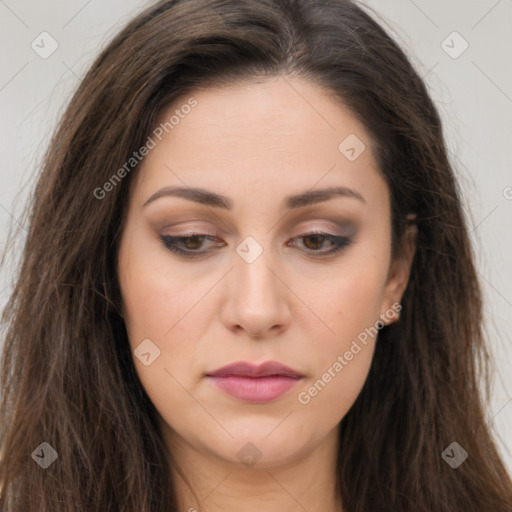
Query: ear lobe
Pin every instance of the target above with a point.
(400, 269)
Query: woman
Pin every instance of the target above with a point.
(248, 282)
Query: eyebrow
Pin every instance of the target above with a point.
(208, 198)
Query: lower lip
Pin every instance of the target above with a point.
(255, 389)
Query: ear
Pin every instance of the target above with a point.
(399, 272)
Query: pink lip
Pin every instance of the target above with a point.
(255, 384)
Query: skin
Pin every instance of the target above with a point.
(256, 143)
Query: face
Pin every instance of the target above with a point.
(258, 274)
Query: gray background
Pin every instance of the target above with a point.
(473, 92)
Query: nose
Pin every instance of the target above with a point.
(258, 298)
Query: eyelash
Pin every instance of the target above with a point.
(340, 243)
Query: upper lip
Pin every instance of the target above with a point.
(245, 369)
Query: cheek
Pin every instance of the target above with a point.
(342, 360)
(350, 299)
(154, 299)
(163, 306)
(350, 306)
(160, 309)
(331, 393)
(361, 284)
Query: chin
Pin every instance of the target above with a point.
(259, 446)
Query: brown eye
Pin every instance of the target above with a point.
(190, 245)
(193, 242)
(316, 239)
(187, 245)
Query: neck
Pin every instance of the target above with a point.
(306, 482)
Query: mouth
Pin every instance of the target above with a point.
(255, 383)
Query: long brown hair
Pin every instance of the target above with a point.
(68, 378)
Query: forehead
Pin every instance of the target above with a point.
(271, 137)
